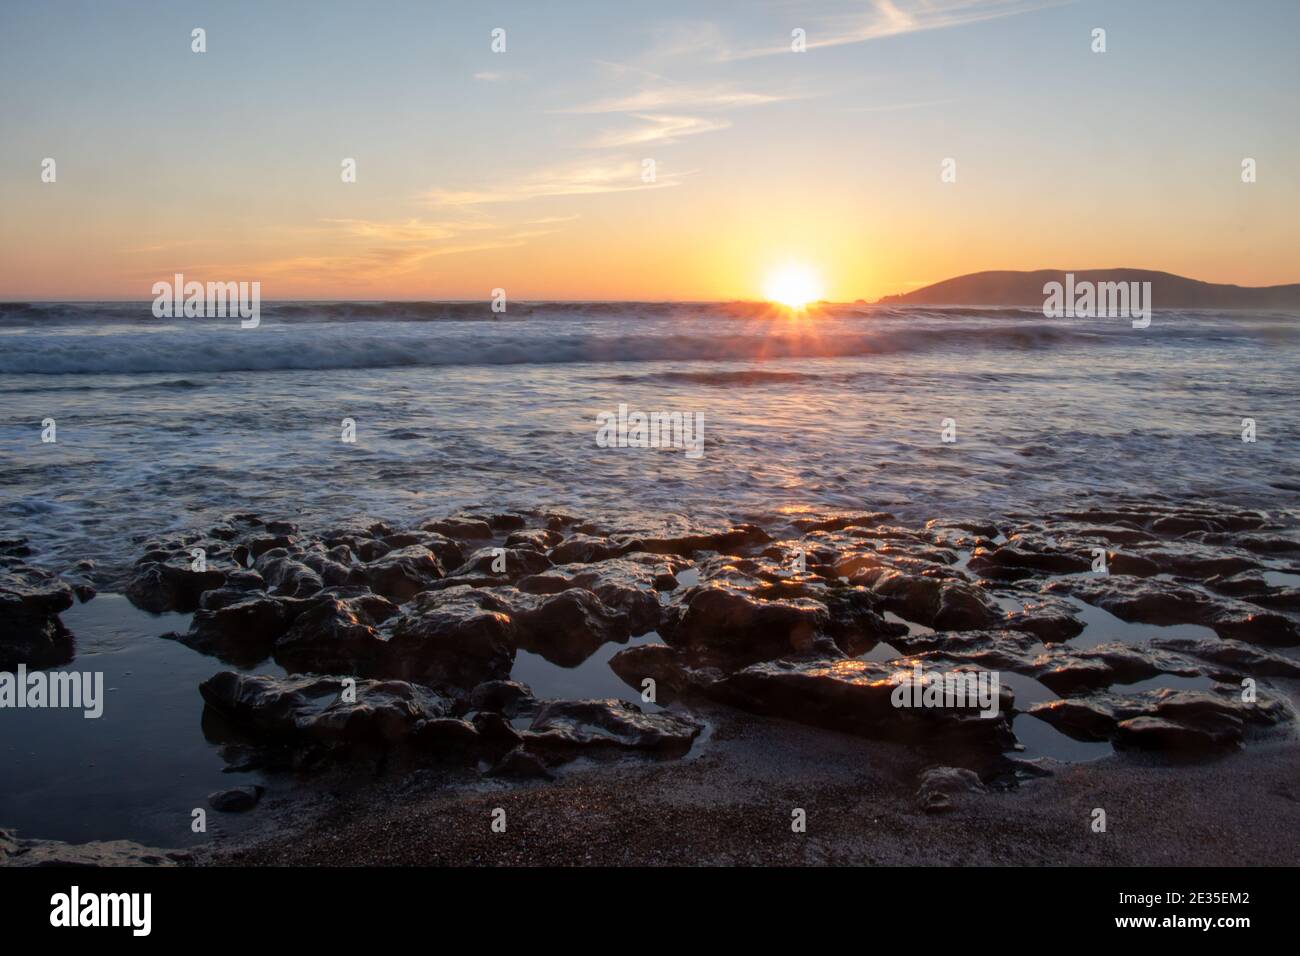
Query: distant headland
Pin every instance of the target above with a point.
(1168, 291)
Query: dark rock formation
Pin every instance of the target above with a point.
(100, 853)
(570, 727)
(1163, 719)
(237, 800)
(30, 630)
(939, 789)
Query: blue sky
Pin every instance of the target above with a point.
(522, 169)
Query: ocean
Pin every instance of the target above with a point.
(166, 425)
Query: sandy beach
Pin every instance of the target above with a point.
(731, 806)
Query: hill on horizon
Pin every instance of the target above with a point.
(1168, 291)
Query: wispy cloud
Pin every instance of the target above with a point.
(887, 18)
(657, 128)
(667, 97)
(383, 261)
(412, 230)
(579, 179)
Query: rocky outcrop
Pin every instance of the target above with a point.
(941, 789)
(459, 637)
(852, 696)
(566, 628)
(773, 619)
(720, 621)
(1162, 719)
(31, 632)
(171, 584)
(326, 712)
(1162, 602)
(15, 851)
(400, 574)
(572, 727)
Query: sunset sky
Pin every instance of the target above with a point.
(522, 169)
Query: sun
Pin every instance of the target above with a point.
(793, 286)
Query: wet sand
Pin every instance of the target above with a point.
(731, 805)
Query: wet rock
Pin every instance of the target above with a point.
(31, 632)
(507, 697)
(592, 726)
(568, 627)
(1195, 561)
(336, 633)
(239, 627)
(537, 539)
(866, 519)
(260, 545)
(1021, 556)
(1110, 534)
(458, 637)
(1244, 585)
(1157, 601)
(370, 549)
(1243, 623)
(1125, 562)
(461, 529)
(1051, 620)
(999, 649)
(1266, 544)
(672, 677)
(940, 788)
(629, 584)
(1141, 600)
(171, 585)
(450, 553)
(284, 575)
(1237, 657)
(14, 547)
(99, 853)
(558, 520)
(943, 604)
(513, 562)
(687, 545)
(238, 800)
(1186, 719)
(971, 526)
(243, 579)
(584, 549)
(496, 734)
(331, 571)
(312, 711)
(857, 697)
(1179, 524)
(725, 621)
(1158, 733)
(401, 574)
(1066, 670)
(506, 521)
(857, 623)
